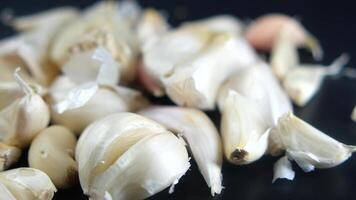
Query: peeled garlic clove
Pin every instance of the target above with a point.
(150, 84)
(200, 134)
(8, 155)
(302, 82)
(283, 169)
(127, 156)
(308, 146)
(263, 33)
(244, 129)
(353, 115)
(52, 151)
(24, 118)
(195, 83)
(219, 23)
(284, 54)
(27, 183)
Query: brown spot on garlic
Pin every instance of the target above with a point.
(238, 155)
(8, 155)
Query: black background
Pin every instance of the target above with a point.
(334, 23)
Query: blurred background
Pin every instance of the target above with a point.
(334, 24)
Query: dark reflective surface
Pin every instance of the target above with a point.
(334, 25)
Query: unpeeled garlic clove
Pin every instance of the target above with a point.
(127, 156)
(263, 33)
(201, 135)
(195, 82)
(8, 155)
(24, 118)
(52, 151)
(26, 183)
(302, 82)
(308, 146)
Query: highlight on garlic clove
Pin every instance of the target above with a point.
(195, 82)
(21, 121)
(128, 156)
(264, 31)
(52, 151)
(26, 183)
(353, 115)
(309, 147)
(244, 129)
(302, 82)
(9, 155)
(99, 26)
(201, 135)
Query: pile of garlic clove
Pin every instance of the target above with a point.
(89, 76)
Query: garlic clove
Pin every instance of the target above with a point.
(244, 129)
(52, 151)
(8, 155)
(263, 33)
(308, 146)
(125, 144)
(5, 193)
(27, 183)
(353, 115)
(24, 118)
(283, 169)
(201, 135)
(302, 82)
(195, 83)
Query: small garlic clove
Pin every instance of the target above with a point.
(24, 118)
(302, 82)
(52, 151)
(353, 115)
(308, 146)
(115, 149)
(244, 129)
(195, 83)
(9, 155)
(263, 33)
(201, 135)
(27, 183)
(283, 169)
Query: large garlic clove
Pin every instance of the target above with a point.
(308, 146)
(353, 115)
(201, 135)
(24, 118)
(302, 82)
(127, 156)
(26, 183)
(244, 129)
(8, 155)
(195, 82)
(52, 151)
(264, 31)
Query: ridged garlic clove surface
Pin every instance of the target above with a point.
(201, 135)
(9, 155)
(52, 151)
(127, 156)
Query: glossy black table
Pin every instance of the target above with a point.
(329, 110)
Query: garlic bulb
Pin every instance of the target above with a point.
(308, 146)
(76, 106)
(263, 33)
(24, 118)
(8, 155)
(302, 82)
(201, 135)
(127, 156)
(353, 115)
(52, 151)
(26, 183)
(99, 26)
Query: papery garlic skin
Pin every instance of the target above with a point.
(127, 156)
(302, 82)
(201, 135)
(283, 169)
(52, 151)
(8, 155)
(26, 183)
(308, 146)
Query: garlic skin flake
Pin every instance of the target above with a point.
(24, 118)
(9, 155)
(353, 115)
(26, 183)
(127, 156)
(201, 135)
(308, 146)
(283, 169)
(302, 82)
